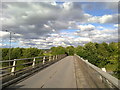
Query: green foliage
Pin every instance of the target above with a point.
(97, 54)
(5, 53)
(16, 53)
(90, 53)
(58, 50)
(30, 52)
(70, 50)
(101, 55)
(80, 51)
(117, 71)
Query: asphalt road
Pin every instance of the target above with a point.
(59, 75)
(66, 73)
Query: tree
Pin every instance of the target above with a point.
(117, 71)
(5, 55)
(58, 50)
(90, 53)
(16, 53)
(103, 54)
(79, 50)
(30, 52)
(70, 50)
(40, 52)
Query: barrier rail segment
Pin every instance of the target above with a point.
(20, 68)
(106, 78)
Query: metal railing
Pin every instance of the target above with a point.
(20, 68)
(105, 78)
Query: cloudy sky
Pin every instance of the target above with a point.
(47, 24)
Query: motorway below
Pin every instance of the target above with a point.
(66, 73)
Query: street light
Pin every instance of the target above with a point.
(10, 43)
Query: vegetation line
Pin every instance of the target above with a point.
(101, 55)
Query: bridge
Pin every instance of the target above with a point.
(59, 71)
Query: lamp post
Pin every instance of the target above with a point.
(10, 43)
(10, 48)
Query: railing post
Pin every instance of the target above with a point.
(44, 60)
(56, 57)
(60, 56)
(33, 63)
(53, 57)
(49, 58)
(13, 68)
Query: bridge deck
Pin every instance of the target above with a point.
(66, 73)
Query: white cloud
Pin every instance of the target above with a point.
(31, 26)
(112, 6)
(81, 39)
(53, 3)
(97, 34)
(109, 19)
(46, 26)
(86, 27)
(3, 34)
(100, 27)
(38, 24)
(116, 25)
(104, 19)
(67, 5)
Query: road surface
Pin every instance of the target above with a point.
(66, 73)
(59, 75)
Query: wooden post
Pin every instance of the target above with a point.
(56, 57)
(33, 63)
(53, 57)
(44, 60)
(60, 56)
(13, 68)
(49, 58)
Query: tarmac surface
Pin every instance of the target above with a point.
(66, 73)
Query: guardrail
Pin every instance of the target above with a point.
(20, 68)
(105, 78)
